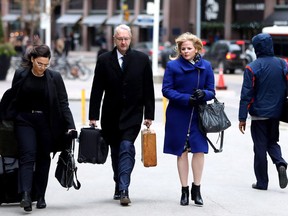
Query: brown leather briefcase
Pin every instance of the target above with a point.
(148, 146)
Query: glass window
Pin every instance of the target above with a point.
(14, 5)
(75, 4)
(282, 2)
(99, 5)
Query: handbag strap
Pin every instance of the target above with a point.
(76, 184)
(192, 112)
(221, 134)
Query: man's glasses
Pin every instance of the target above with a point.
(123, 39)
(40, 65)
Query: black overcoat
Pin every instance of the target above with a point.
(60, 116)
(128, 95)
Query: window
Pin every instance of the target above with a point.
(99, 5)
(14, 5)
(75, 4)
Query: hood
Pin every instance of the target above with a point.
(263, 45)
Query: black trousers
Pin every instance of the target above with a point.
(34, 144)
(265, 135)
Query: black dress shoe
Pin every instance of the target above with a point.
(41, 203)
(26, 202)
(117, 195)
(282, 176)
(124, 198)
(255, 186)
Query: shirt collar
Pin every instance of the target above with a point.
(119, 55)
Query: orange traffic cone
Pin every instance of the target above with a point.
(221, 85)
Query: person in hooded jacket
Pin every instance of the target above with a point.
(262, 96)
(188, 80)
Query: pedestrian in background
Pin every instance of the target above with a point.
(126, 78)
(188, 81)
(38, 104)
(103, 49)
(262, 96)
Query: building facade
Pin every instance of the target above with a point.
(91, 22)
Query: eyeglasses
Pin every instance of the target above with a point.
(123, 39)
(40, 65)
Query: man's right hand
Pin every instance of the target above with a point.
(93, 123)
(242, 126)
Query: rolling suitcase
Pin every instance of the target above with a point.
(9, 181)
(148, 147)
(92, 147)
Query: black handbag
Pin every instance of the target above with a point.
(212, 117)
(8, 142)
(66, 168)
(92, 146)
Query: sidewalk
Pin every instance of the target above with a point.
(155, 191)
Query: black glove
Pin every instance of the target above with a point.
(199, 94)
(192, 101)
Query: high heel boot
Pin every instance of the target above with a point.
(26, 202)
(196, 195)
(185, 196)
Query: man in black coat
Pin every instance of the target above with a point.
(126, 77)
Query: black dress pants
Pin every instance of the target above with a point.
(265, 135)
(34, 144)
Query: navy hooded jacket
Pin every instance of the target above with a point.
(264, 84)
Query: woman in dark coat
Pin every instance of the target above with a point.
(188, 81)
(38, 104)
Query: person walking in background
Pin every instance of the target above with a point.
(38, 104)
(126, 77)
(103, 49)
(188, 80)
(262, 96)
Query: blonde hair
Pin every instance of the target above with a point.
(187, 36)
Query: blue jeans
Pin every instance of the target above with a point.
(123, 161)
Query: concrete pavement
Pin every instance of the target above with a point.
(226, 185)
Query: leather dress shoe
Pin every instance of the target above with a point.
(282, 176)
(41, 203)
(26, 202)
(124, 198)
(117, 195)
(255, 186)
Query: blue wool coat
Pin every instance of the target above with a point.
(179, 83)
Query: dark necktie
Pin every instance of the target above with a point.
(122, 64)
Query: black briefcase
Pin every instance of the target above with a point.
(92, 147)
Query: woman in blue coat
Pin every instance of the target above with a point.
(188, 80)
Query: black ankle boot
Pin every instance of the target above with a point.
(185, 196)
(41, 202)
(196, 195)
(26, 202)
